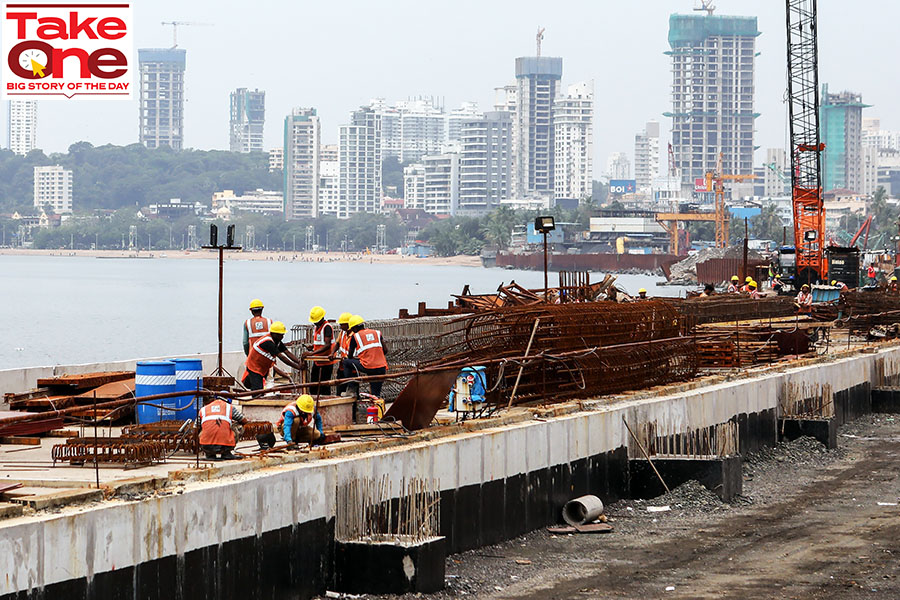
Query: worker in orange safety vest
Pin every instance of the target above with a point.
(263, 354)
(217, 418)
(804, 299)
(256, 326)
(322, 353)
(366, 355)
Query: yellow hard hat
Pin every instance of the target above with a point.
(735, 278)
(306, 403)
(805, 286)
(834, 282)
(893, 278)
(277, 327)
(748, 279)
(316, 314)
(354, 321)
(256, 303)
(752, 284)
(642, 291)
(344, 318)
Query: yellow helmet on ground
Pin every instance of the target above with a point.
(354, 321)
(256, 303)
(344, 318)
(735, 278)
(642, 291)
(278, 327)
(306, 403)
(316, 314)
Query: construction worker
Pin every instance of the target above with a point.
(216, 434)
(322, 354)
(839, 284)
(340, 351)
(746, 286)
(365, 356)
(753, 293)
(892, 285)
(642, 294)
(777, 284)
(256, 326)
(804, 299)
(872, 274)
(708, 290)
(263, 354)
(300, 422)
(733, 286)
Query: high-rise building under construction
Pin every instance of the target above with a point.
(713, 59)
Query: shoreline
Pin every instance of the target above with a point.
(310, 257)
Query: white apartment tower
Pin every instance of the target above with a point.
(162, 97)
(573, 138)
(466, 112)
(21, 126)
(441, 183)
(617, 166)
(414, 186)
(713, 61)
(646, 156)
(537, 81)
(53, 188)
(302, 136)
(485, 169)
(776, 177)
(248, 119)
(359, 179)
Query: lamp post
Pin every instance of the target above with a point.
(545, 225)
(229, 245)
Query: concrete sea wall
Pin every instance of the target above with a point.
(270, 533)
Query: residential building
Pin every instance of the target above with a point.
(248, 118)
(455, 119)
(713, 62)
(485, 163)
(840, 121)
(414, 187)
(537, 81)
(573, 138)
(776, 177)
(871, 158)
(53, 188)
(441, 183)
(875, 137)
(260, 202)
(162, 97)
(302, 137)
(646, 156)
(505, 98)
(391, 134)
(359, 178)
(617, 166)
(329, 189)
(329, 152)
(21, 126)
(276, 159)
(410, 129)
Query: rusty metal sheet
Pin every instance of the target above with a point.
(420, 400)
(83, 381)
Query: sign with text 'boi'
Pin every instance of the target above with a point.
(57, 50)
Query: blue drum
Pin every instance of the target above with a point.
(154, 377)
(187, 372)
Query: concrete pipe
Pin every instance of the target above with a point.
(583, 510)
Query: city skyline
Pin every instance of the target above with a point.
(438, 61)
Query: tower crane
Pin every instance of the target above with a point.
(539, 37)
(175, 25)
(706, 5)
(806, 146)
(715, 181)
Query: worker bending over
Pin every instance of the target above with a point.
(804, 299)
(217, 419)
(733, 286)
(256, 326)
(365, 356)
(322, 354)
(839, 284)
(300, 422)
(340, 349)
(263, 354)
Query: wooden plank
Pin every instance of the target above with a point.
(20, 440)
(84, 381)
(11, 397)
(113, 390)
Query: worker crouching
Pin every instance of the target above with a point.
(217, 421)
(300, 422)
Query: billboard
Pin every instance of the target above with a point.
(617, 187)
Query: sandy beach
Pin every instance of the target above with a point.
(358, 257)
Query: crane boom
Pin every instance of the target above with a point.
(806, 147)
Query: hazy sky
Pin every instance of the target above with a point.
(336, 55)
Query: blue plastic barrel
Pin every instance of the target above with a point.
(154, 377)
(187, 372)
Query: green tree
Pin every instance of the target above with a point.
(767, 224)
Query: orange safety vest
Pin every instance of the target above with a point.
(871, 272)
(732, 289)
(258, 360)
(805, 302)
(257, 327)
(215, 424)
(344, 344)
(299, 416)
(319, 342)
(369, 349)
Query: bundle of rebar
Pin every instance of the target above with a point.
(368, 511)
(108, 450)
(732, 307)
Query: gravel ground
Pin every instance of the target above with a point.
(700, 541)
